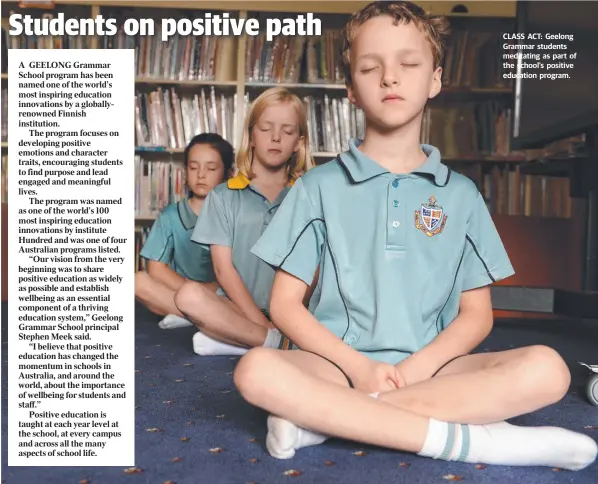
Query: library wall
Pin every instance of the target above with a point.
(189, 85)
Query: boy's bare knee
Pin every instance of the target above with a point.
(188, 296)
(546, 372)
(252, 372)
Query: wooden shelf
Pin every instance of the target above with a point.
(463, 159)
(564, 167)
(183, 82)
(4, 75)
(4, 144)
(158, 149)
(447, 90)
(322, 154)
(291, 85)
(145, 218)
(483, 159)
(476, 90)
(150, 150)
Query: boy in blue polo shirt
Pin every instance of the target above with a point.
(406, 250)
(172, 257)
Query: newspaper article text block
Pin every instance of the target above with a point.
(71, 226)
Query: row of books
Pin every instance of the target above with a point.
(470, 130)
(43, 41)
(473, 58)
(181, 57)
(157, 184)
(317, 59)
(168, 118)
(295, 59)
(4, 114)
(331, 122)
(509, 192)
(141, 234)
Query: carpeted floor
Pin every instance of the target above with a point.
(206, 434)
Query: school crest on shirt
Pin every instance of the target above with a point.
(430, 218)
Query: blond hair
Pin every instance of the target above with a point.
(301, 161)
(436, 29)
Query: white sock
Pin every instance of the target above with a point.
(172, 321)
(205, 346)
(284, 437)
(505, 444)
(275, 339)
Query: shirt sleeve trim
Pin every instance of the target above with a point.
(475, 249)
(297, 240)
(159, 258)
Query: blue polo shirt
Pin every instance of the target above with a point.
(235, 214)
(169, 241)
(395, 250)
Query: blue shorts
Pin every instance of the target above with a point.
(351, 382)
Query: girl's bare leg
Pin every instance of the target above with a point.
(217, 317)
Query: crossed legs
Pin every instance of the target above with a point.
(310, 392)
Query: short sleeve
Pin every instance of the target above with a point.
(159, 245)
(212, 226)
(485, 260)
(294, 238)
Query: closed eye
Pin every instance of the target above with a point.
(365, 71)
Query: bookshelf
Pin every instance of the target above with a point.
(235, 80)
(4, 187)
(477, 144)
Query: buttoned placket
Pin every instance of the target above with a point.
(395, 215)
(271, 206)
